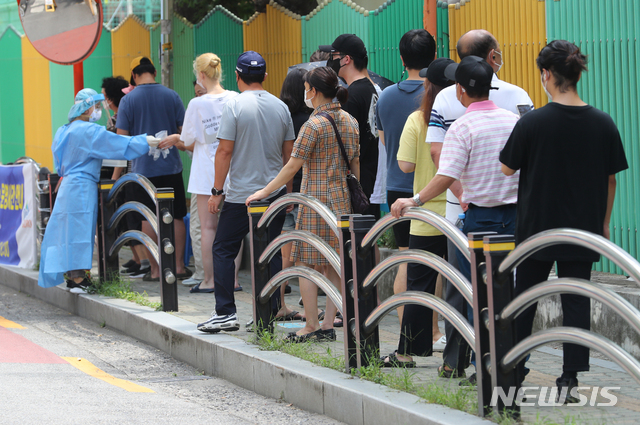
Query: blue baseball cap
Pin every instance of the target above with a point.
(251, 62)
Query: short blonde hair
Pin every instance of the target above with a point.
(210, 64)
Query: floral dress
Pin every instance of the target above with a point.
(324, 175)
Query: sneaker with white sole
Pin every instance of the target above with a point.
(139, 274)
(217, 323)
(191, 281)
(440, 344)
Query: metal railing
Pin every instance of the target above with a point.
(504, 354)
(109, 242)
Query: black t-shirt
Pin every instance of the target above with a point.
(565, 155)
(361, 105)
(298, 119)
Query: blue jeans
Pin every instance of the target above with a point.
(500, 219)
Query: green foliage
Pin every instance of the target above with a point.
(195, 10)
(119, 288)
(388, 240)
(269, 342)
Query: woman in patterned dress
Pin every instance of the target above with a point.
(324, 170)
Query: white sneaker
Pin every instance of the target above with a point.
(217, 323)
(191, 282)
(440, 344)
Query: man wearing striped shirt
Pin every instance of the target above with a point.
(470, 154)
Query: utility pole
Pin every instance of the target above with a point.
(166, 46)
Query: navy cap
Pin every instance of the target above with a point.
(472, 71)
(251, 62)
(349, 44)
(435, 72)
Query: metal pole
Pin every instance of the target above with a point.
(166, 249)
(367, 346)
(480, 311)
(500, 292)
(166, 48)
(348, 301)
(263, 317)
(107, 266)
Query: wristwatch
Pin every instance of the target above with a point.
(217, 192)
(416, 199)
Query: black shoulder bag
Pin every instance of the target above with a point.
(359, 201)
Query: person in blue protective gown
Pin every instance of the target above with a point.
(78, 150)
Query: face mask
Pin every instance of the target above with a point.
(335, 64)
(308, 101)
(95, 115)
(462, 90)
(200, 84)
(501, 60)
(544, 86)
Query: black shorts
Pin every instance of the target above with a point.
(374, 210)
(137, 193)
(400, 230)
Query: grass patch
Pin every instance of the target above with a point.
(119, 288)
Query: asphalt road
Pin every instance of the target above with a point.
(56, 368)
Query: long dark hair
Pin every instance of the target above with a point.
(565, 61)
(431, 90)
(292, 92)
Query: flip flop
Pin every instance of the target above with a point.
(320, 316)
(294, 315)
(237, 289)
(392, 361)
(196, 290)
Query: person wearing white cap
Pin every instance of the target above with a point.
(78, 150)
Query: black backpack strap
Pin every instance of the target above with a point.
(342, 149)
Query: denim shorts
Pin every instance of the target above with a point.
(290, 220)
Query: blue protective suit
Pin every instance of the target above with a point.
(78, 150)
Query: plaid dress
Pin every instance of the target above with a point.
(324, 175)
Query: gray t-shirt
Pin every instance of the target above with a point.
(258, 123)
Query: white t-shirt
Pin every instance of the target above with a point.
(201, 123)
(379, 195)
(447, 108)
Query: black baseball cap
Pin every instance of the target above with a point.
(472, 71)
(349, 44)
(435, 72)
(251, 62)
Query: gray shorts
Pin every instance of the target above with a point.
(290, 220)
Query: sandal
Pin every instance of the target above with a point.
(294, 315)
(392, 361)
(316, 336)
(448, 374)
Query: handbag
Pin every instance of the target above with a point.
(359, 201)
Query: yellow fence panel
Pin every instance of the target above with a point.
(519, 26)
(129, 40)
(37, 105)
(277, 36)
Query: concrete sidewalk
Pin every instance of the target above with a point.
(335, 394)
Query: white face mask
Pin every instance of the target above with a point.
(501, 61)
(308, 101)
(95, 115)
(544, 86)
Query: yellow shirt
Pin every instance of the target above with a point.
(414, 148)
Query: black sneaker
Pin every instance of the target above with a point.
(80, 287)
(471, 381)
(567, 390)
(217, 323)
(139, 274)
(127, 271)
(129, 264)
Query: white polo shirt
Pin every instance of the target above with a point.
(447, 108)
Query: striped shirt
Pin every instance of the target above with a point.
(471, 153)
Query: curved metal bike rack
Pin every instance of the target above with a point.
(135, 235)
(576, 287)
(299, 198)
(306, 273)
(132, 178)
(574, 336)
(414, 213)
(427, 259)
(138, 207)
(301, 236)
(425, 300)
(597, 243)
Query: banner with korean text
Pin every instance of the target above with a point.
(18, 231)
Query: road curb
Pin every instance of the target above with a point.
(269, 373)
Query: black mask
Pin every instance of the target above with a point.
(335, 64)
